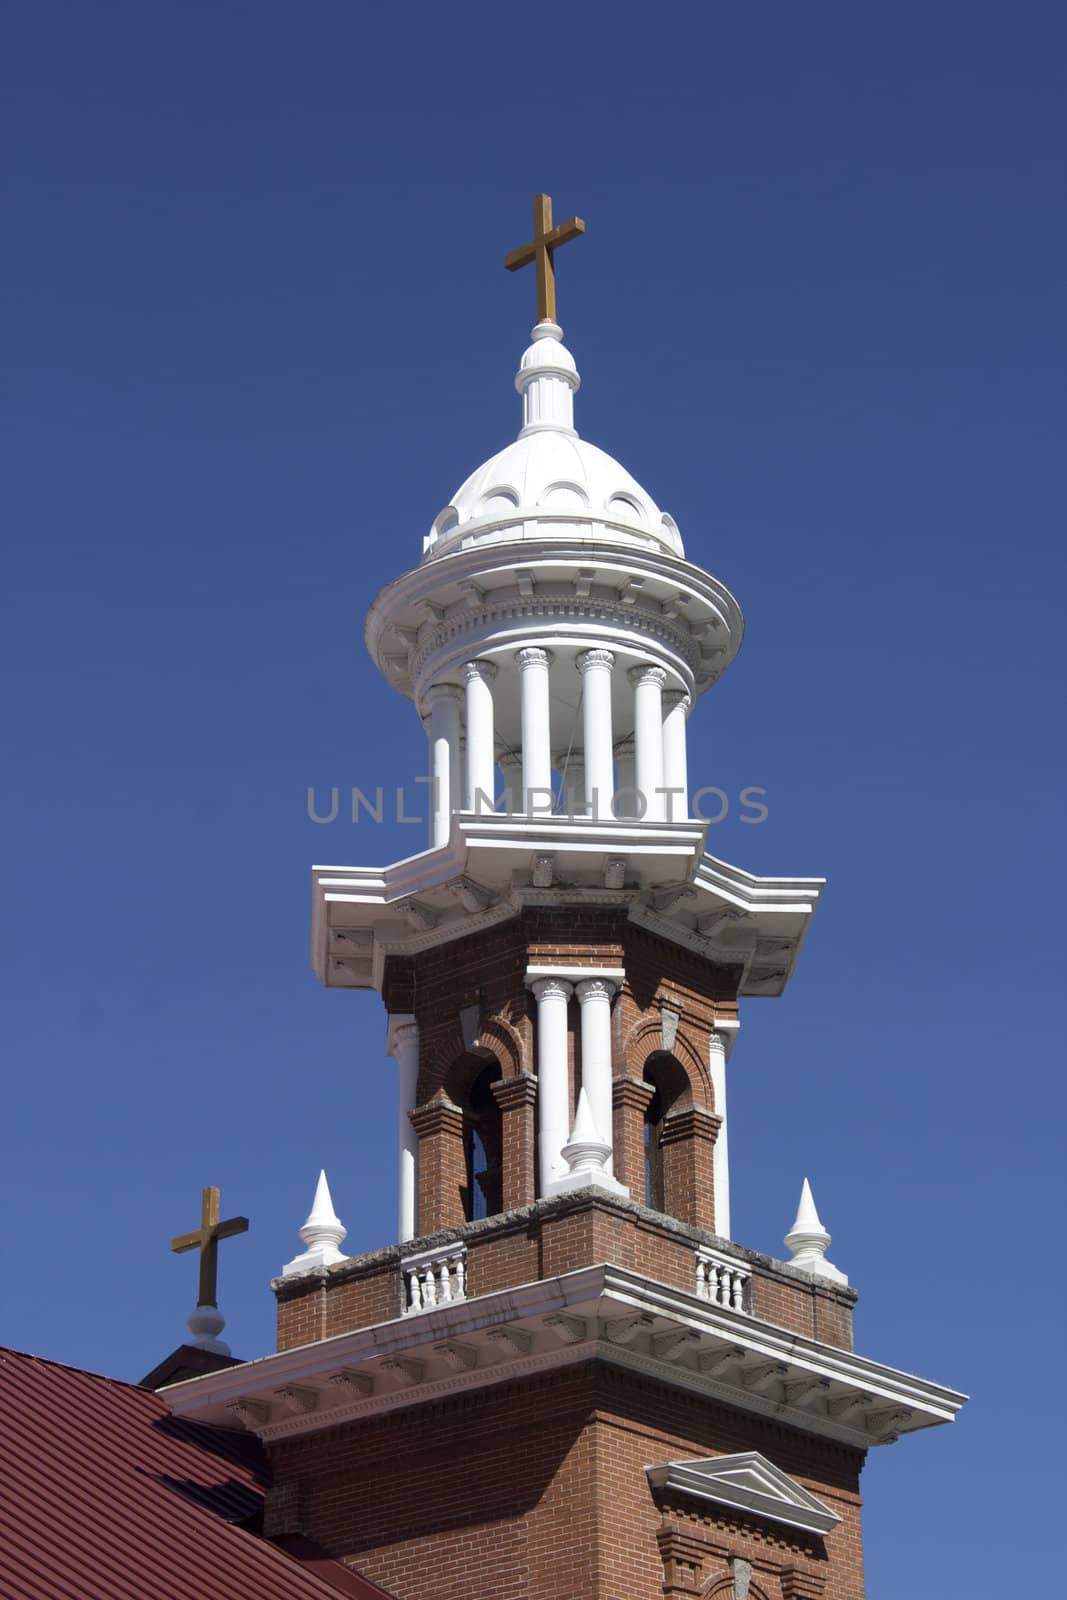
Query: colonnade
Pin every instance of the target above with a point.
(553, 1078)
(595, 991)
(645, 777)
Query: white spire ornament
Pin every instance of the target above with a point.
(586, 1154)
(808, 1241)
(322, 1233)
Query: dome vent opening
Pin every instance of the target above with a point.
(564, 497)
(627, 509)
(499, 502)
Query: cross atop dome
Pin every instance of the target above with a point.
(541, 249)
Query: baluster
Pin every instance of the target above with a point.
(737, 1291)
(429, 1287)
(444, 1281)
(461, 1276)
(701, 1279)
(414, 1290)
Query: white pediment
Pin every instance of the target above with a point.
(747, 1482)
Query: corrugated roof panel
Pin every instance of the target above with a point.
(106, 1496)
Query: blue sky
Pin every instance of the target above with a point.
(257, 332)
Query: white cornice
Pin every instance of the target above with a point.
(673, 889)
(686, 1342)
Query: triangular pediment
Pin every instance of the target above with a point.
(747, 1482)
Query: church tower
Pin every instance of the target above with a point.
(565, 1378)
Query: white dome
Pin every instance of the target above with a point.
(549, 482)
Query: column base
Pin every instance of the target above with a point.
(602, 1181)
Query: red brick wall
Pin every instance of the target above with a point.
(552, 1238)
(536, 1490)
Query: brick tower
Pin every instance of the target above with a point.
(565, 1379)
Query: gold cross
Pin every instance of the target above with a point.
(546, 239)
(206, 1240)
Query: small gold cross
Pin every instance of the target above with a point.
(206, 1240)
(540, 249)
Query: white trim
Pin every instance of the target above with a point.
(847, 1398)
(746, 1482)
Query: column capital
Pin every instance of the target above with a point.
(444, 692)
(486, 670)
(678, 697)
(595, 987)
(647, 672)
(534, 655)
(403, 1033)
(550, 988)
(511, 1094)
(594, 658)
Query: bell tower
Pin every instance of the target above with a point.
(564, 1377)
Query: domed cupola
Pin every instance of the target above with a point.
(550, 484)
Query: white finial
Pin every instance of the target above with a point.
(547, 379)
(586, 1154)
(205, 1324)
(585, 1150)
(808, 1241)
(321, 1233)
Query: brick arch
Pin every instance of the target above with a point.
(645, 1039)
(722, 1588)
(500, 1036)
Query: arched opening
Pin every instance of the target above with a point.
(469, 1085)
(670, 1092)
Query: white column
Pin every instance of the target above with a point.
(676, 706)
(572, 766)
(533, 664)
(510, 764)
(625, 779)
(553, 1099)
(648, 681)
(594, 996)
(481, 754)
(595, 667)
(720, 1161)
(446, 701)
(403, 1046)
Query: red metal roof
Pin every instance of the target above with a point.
(104, 1495)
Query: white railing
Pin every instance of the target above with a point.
(722, 1281)
(435, 1277)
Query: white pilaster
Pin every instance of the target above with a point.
(533, 663)
(595, 667)
(553, 1120)
(446, 703)
(720, 1161)
(594, 997)
(403, 1046)
(481, 755)
(676, 706)
(648, 681)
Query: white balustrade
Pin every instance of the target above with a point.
(435, 1278)
(722, 1281)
